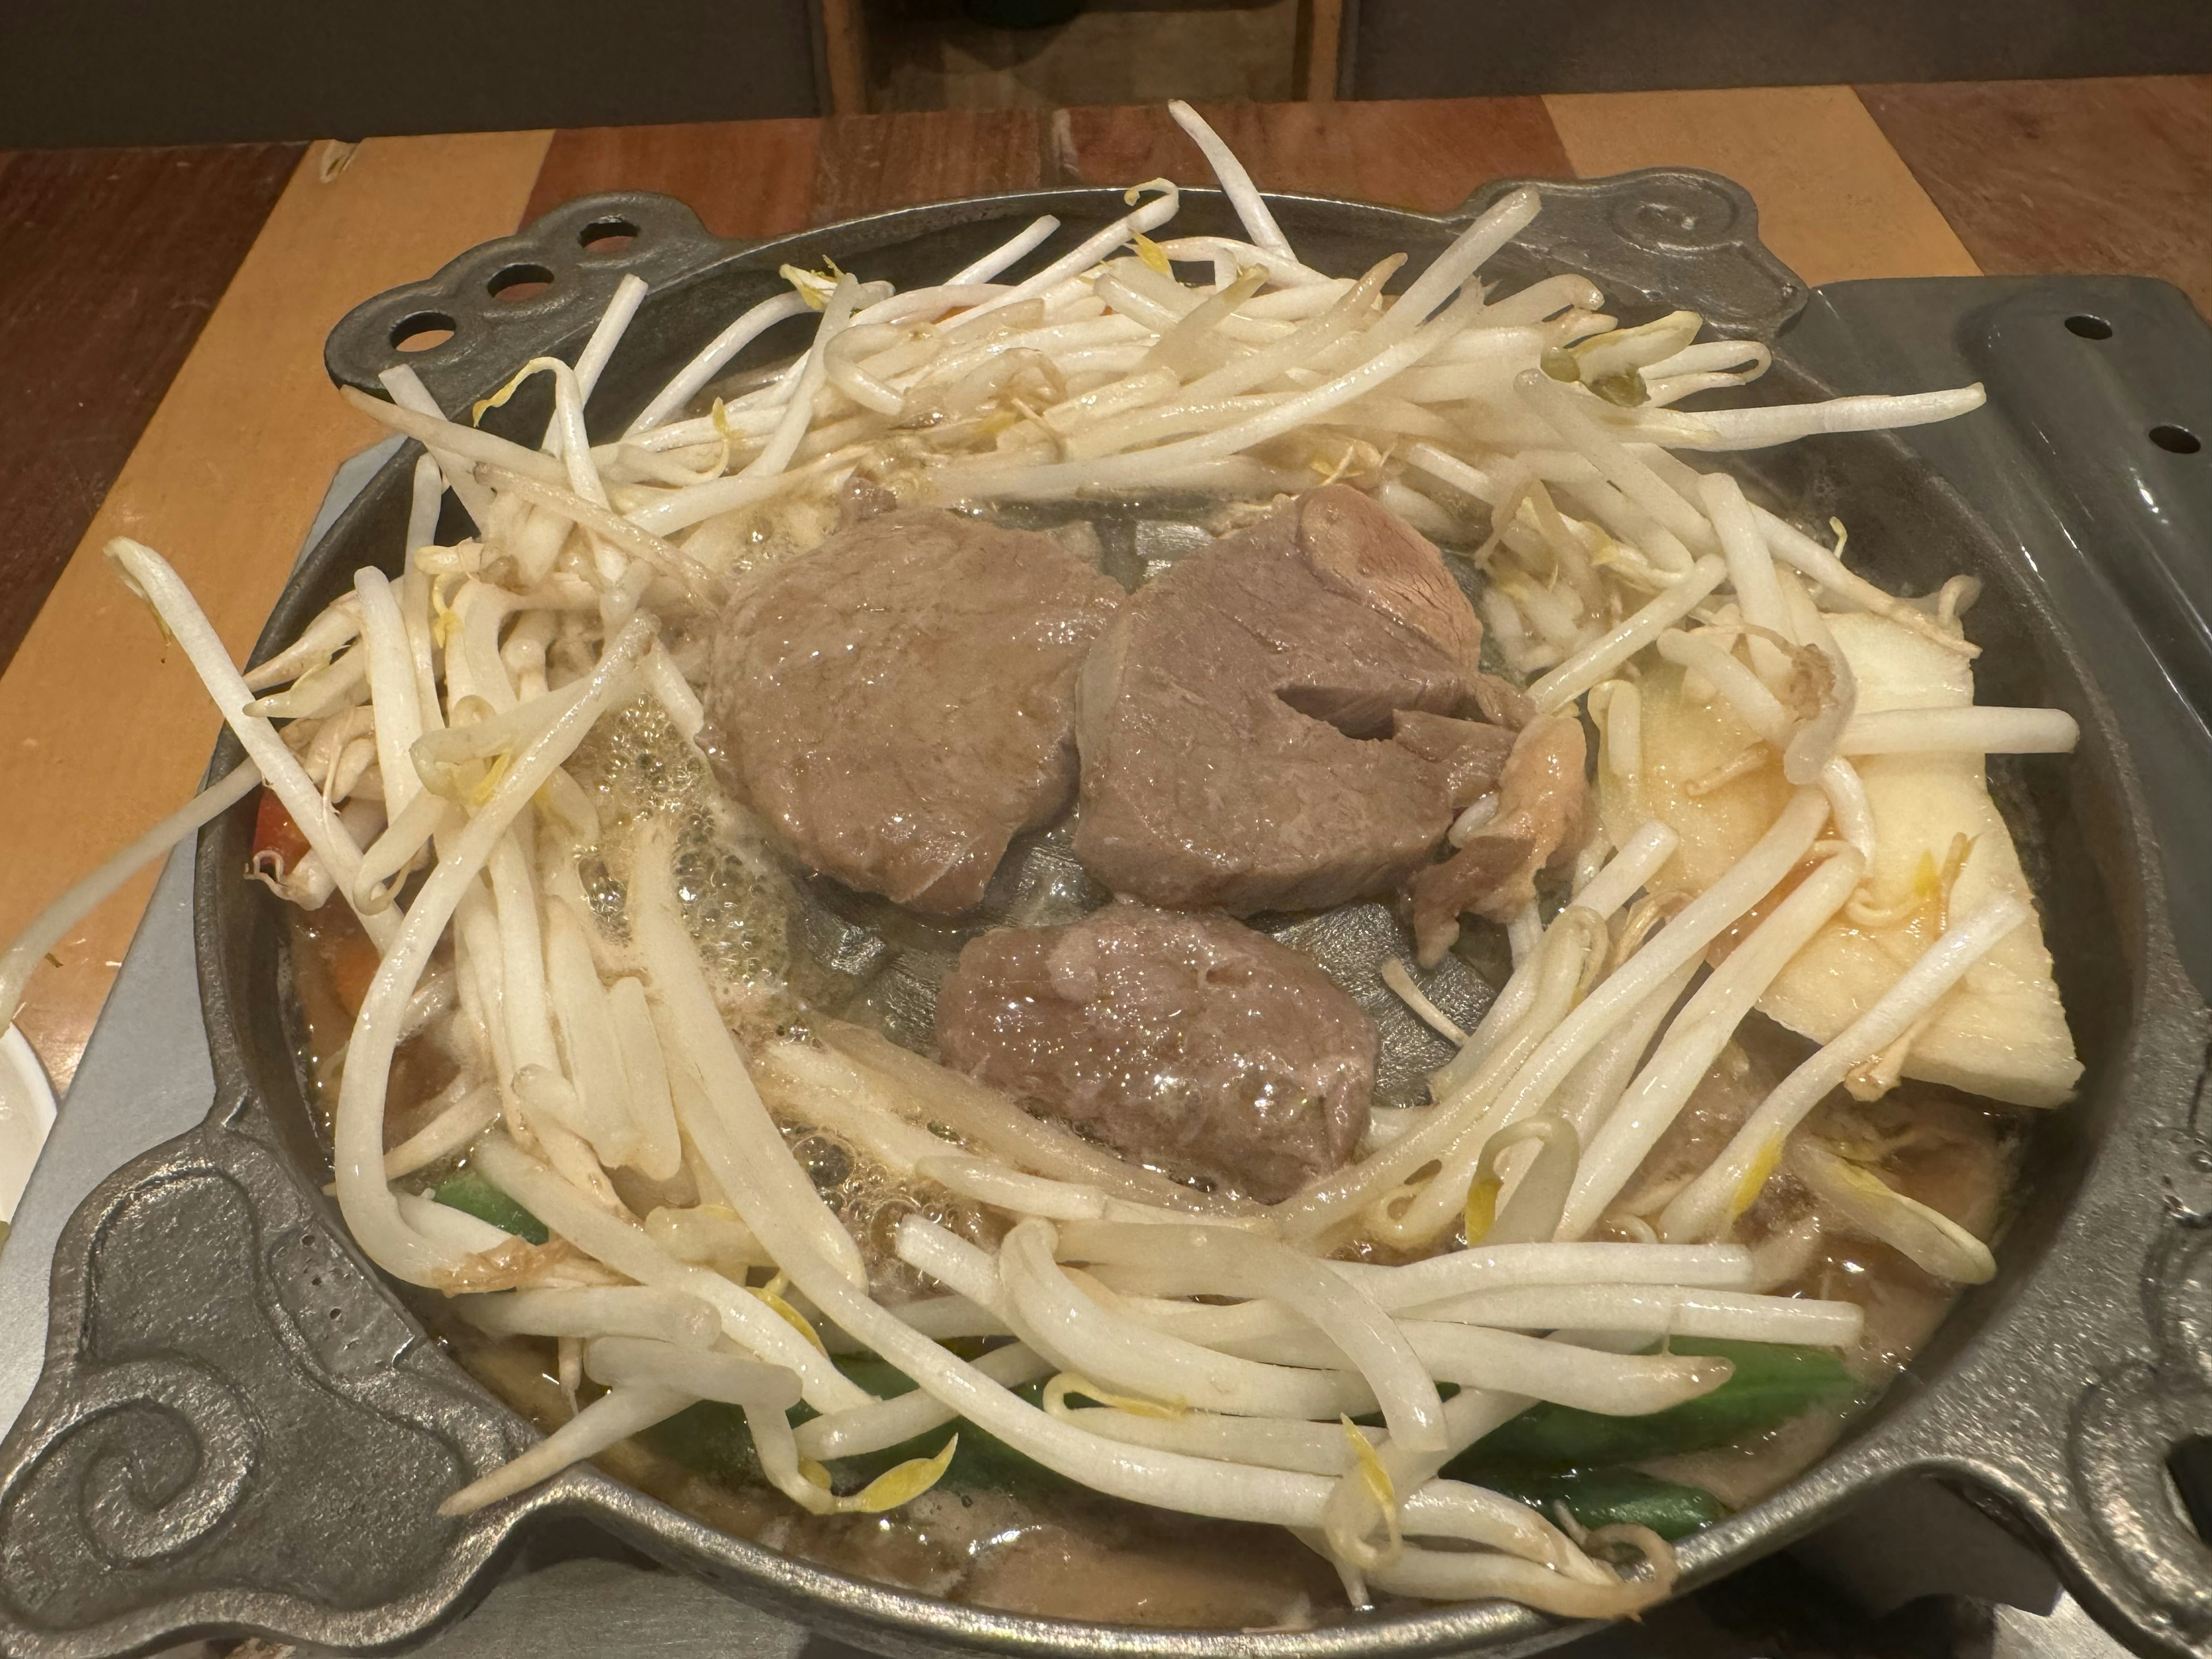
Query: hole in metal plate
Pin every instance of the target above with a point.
(2176, 440)
(518, 282)
(2088, 327)
(606, 236)
(421, 332)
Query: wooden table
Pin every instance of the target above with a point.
(162, 314)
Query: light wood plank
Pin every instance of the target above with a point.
(1835, 200)
(106, 730)
(2057, 176)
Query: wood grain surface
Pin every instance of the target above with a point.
(743, 179)
(749, 179)
(753, 178)
(110, 262)
(1834, 199)
(107, 730)
(1417, 153)
(878, 161)
(2103, 175)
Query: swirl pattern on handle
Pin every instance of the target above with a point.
(126, 1512)
(1661, 237)
(1679, 212)
(2128, 1423)
(231, 1407)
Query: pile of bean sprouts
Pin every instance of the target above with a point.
(419, 731)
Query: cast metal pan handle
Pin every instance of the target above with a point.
(267, 1455)
(2092, 1419)
(1657, 232)
(2139, 1452)
(1663, 232)
(503, 302)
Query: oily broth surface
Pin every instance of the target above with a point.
(782, 946)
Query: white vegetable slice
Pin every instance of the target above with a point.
(2003, 1033)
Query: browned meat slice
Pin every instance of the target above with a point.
(1502, 702)
(1224, 719)
(1470, 753)
(899, 702)
(1371, 556)
(1184, 1040)
(1543, 818)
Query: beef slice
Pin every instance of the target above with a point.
(1234, 723)
(1184, 1040)
(899, 703)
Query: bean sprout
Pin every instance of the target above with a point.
(48, 928)
(1726, 1189)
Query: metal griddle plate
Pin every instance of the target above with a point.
(240, 1428)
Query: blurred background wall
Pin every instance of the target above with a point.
(1440, 49)
(201, 72)
(82, 72)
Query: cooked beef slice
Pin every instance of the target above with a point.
(1471, 752)
(1543, 818)
(1227, 720)
(1180, 1039)
(899, 703)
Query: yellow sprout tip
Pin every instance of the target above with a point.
(1481, 1209)
(477, 411)
(1068, 1383)
(813, 286)
(1371, 1468)
(771, 1294)
(483, 793)
(1755, 1178)
(1376, 1476)
(901, 1485)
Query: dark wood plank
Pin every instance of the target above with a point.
(1423, 153)
(743, 179)
(109, 261)
(870, 163)
(2093, 175)
(764, 178)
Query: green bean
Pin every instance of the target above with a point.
(471, 1194)
(1773, 1383)
(1612, 1496)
